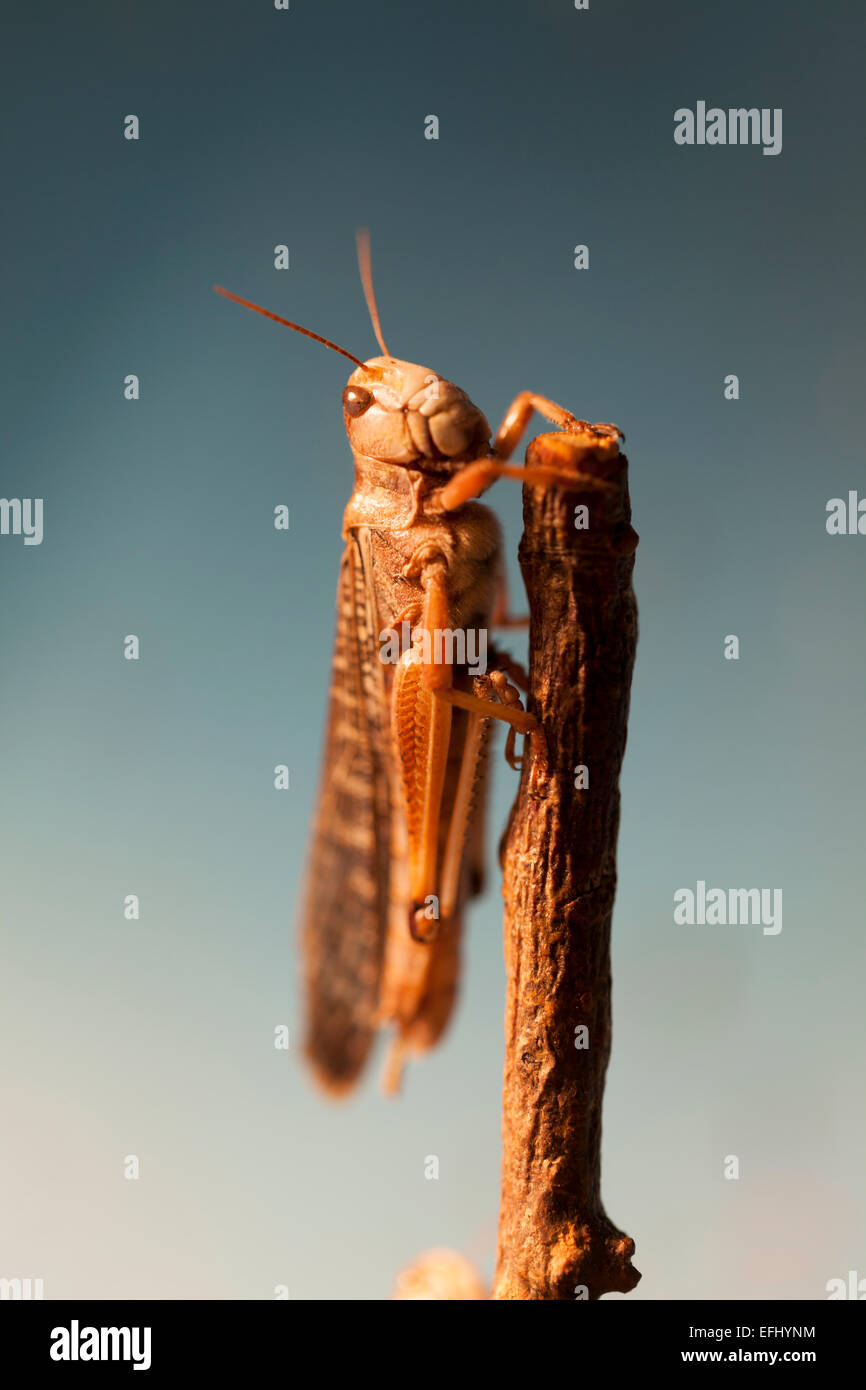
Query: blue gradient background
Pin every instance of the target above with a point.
(155, 777)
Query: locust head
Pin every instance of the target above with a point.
(402, 413)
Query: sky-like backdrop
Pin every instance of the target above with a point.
(155, 777)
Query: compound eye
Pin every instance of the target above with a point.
(356, 400)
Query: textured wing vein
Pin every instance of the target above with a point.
(346, 901)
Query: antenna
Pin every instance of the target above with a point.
(365, 265)
(308, 332)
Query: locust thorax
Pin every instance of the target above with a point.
(402, 413)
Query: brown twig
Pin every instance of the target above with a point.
(555, 1241)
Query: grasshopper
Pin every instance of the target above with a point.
(397, 844)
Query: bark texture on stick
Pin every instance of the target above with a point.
(555, 1240)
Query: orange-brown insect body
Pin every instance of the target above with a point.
(388, 733)
(397, 839)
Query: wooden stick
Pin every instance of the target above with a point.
(555, 1241)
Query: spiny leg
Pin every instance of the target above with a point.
(519, 718)
(422, 737)
(425, 737)
(471, 757)
(475, 477)
(497, 683)
(505, 698)
(423, 733)
(519, 413)
(423, 700)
